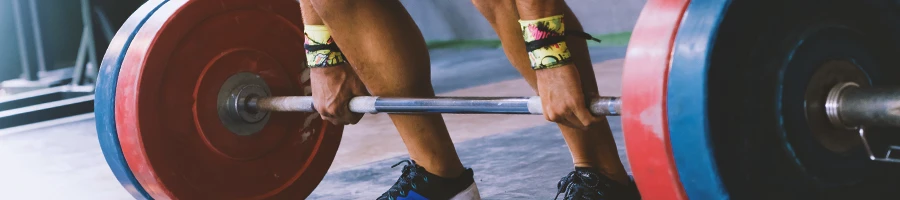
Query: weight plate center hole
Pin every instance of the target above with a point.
(826, 77)
(237, 94)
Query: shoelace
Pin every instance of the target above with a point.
(574, 178)
(405, 182)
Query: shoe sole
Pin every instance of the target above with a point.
(470, 193)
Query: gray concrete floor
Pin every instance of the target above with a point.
(62, 160)
(524, 164)
(455, 19)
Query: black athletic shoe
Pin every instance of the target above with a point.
(417, 184)
(587, 184)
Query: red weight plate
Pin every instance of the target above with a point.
(168, 125)
(643, 95)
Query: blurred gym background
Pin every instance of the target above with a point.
(49, 53)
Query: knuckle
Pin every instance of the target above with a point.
(332, 110)
(586, 122)
(554, 117)
(325, 115)
(579, 125)
(330, 119)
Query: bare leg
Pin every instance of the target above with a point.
(592, 148)
(388, 52)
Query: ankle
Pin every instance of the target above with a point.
(443, 171)
(621, 178)
(448, 173)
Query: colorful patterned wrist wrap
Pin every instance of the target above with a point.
(321, 51)
(545, 41)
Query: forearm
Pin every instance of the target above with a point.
(503, 15)
(309, 13)
(321, 50)
(536, 9)
(576, 56)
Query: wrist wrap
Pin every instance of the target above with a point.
(545, 42)
(321, 51)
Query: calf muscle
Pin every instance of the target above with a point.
(388, 53)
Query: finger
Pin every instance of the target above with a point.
(348, 117)
(585, 117)
(554, 116)
(570, 120)
(316, 107)
(326, 115)
(332, 115)
(330, 119)
(342, 120)
(549, 114)
(341, 116)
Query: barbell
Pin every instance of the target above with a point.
(722, 99)
(846, 106)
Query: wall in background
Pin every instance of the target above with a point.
(60, 22)
(9, 56)
(61, 28)
(460, 20)
(439, 20)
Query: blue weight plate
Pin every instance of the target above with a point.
(686, 100)
(105, 95)
(744, 87)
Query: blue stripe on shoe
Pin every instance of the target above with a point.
(412, 196)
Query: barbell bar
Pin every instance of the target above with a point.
(847, 106)
(850, 106)
(605, 106)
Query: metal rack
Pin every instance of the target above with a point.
(41, 94)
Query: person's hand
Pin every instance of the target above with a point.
(332, 89)
(562, 99)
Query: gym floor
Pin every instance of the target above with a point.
(514, 157)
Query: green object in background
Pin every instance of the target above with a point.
(613, 39)
(609, 40)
